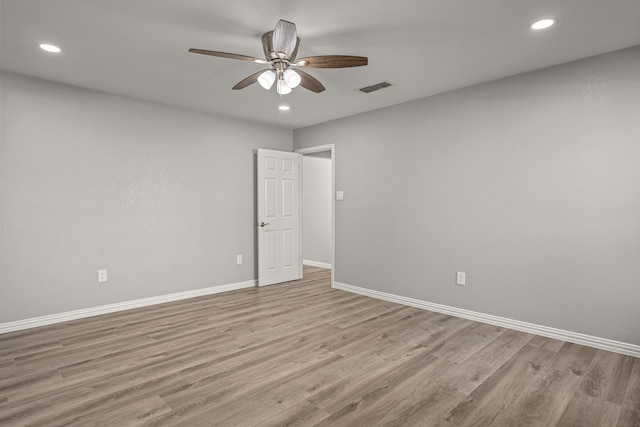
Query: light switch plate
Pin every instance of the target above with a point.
(340, 195)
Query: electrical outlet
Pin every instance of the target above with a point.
(102, 276)
(238, 259)
(461, 278)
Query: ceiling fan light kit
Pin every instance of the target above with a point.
(280, 49)
(292, 78)
(282, 88)
(266, 79)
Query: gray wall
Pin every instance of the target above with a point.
(161, 197)
(316, 209)
(529, 184)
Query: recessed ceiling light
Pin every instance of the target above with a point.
(542, 24)
(284, 108)
(50, 48)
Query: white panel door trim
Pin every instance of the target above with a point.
(318, 149)
(278, 181)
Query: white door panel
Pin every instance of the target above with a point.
(279, 258)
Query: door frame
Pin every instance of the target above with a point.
(332, 149)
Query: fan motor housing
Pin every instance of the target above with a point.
(271, 55)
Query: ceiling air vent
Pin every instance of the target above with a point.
(375, 87)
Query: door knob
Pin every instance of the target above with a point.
(262, 224)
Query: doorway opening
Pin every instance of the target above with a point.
(318, 207)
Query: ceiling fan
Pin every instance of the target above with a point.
(280, 49)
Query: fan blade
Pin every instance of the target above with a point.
(249, 80)
(332, 61)
(285, 37)
(228, 55)
(309, 82)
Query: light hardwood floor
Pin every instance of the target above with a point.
(303, 354)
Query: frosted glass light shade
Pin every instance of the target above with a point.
(266, 79)
(292, 78)
(283, 88)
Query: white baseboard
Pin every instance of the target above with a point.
(111, 308)
(574, 337)
(316, 264)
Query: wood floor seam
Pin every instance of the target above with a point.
(304, 354)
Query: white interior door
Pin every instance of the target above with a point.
(279, 255)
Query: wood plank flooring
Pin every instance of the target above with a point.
(303, 354)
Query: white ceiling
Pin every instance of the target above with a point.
(139, 48)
